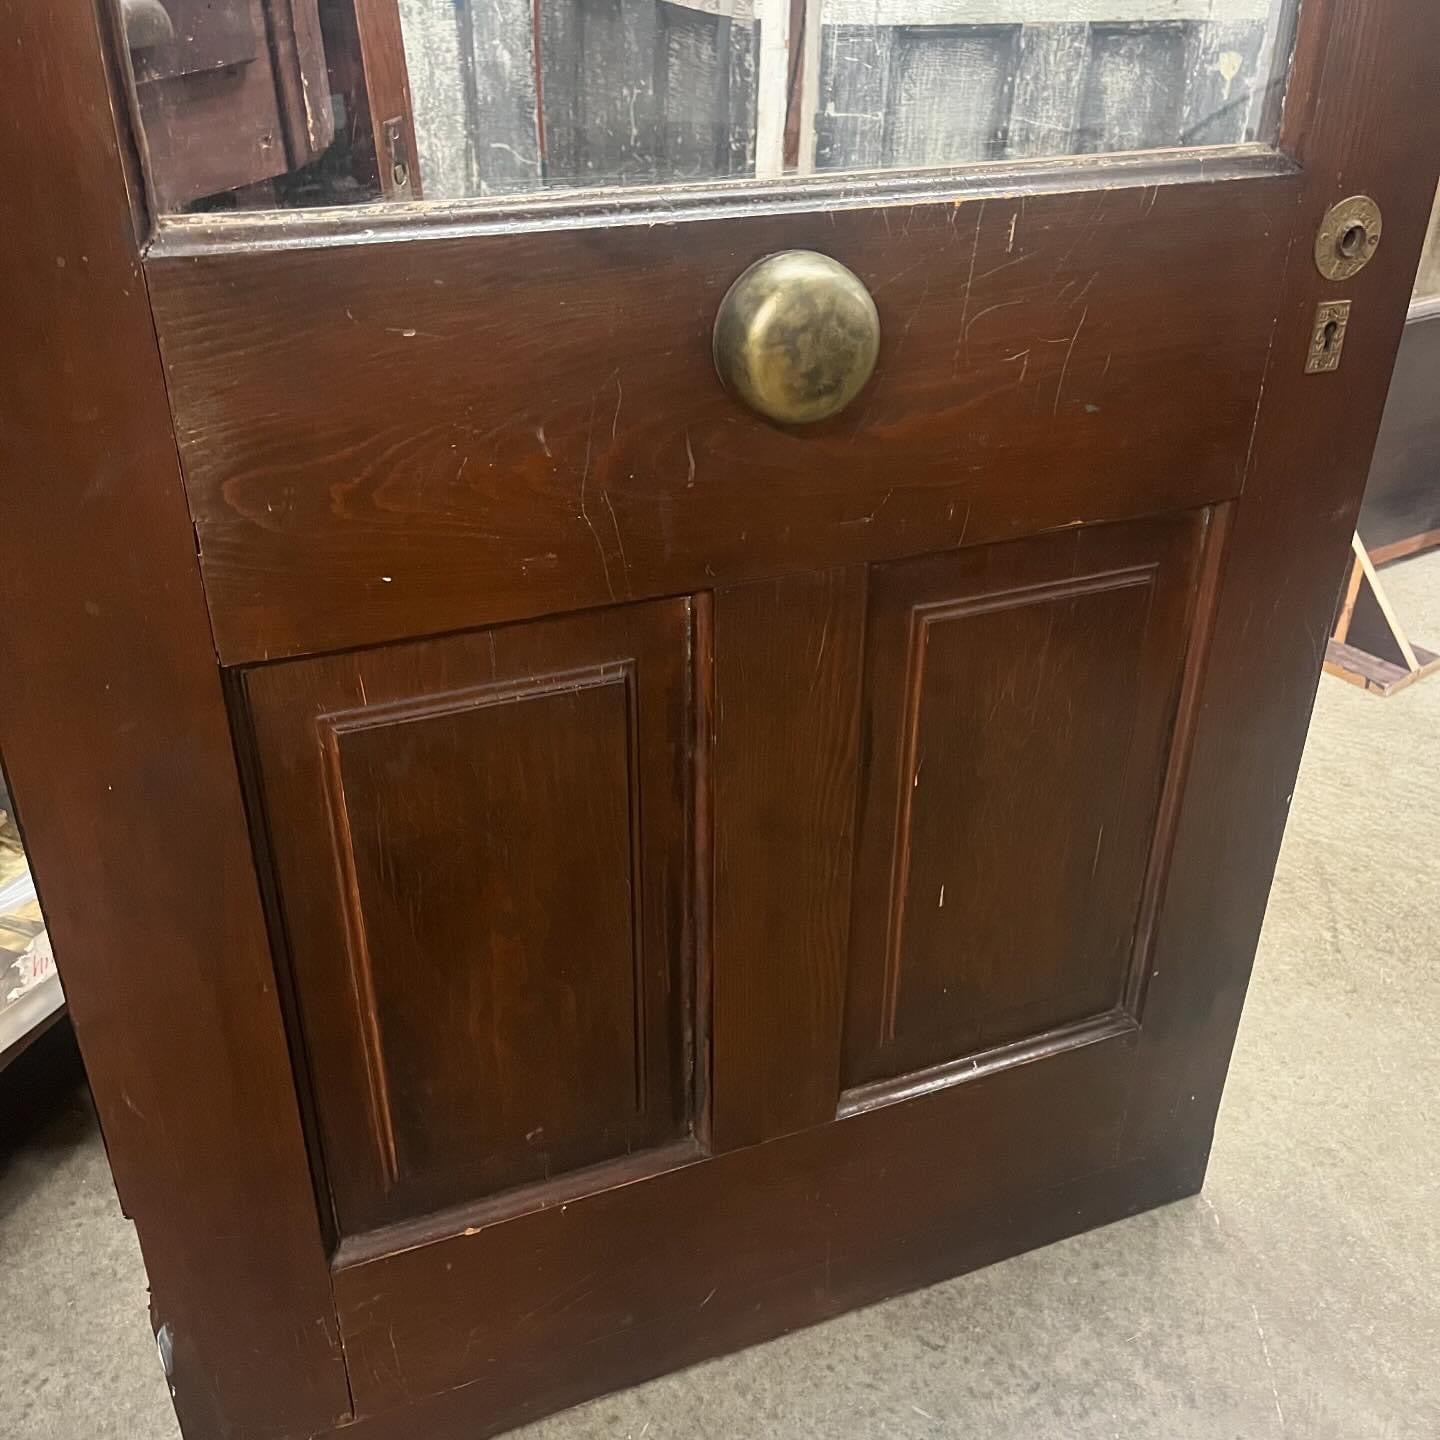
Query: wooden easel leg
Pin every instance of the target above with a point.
(1368, 646)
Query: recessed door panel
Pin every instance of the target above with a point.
(479, 846)
(1020, 700)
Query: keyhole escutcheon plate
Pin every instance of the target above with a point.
(1327, 341)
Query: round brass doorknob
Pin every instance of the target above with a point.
(796, 336)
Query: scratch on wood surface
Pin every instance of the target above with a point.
(1085, 289)
(910, 321)
(969, 283)
(990, 310)
(584, 513)
(1004, 265)
(1065, 368)
(619, 539)
(820, 653)
(868, 519)
(1097, 215)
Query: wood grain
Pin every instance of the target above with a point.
(1034, 372)
(787, 678)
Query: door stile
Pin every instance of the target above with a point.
(1361, 122)
(113, 723)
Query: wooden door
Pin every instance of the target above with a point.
(558, 876)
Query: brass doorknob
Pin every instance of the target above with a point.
(796, 336)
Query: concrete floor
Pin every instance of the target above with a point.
(1299, 1296)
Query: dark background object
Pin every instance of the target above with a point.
(238, 103)
(1401, 513)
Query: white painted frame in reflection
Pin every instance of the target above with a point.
(647, 91)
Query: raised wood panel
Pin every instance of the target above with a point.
(531, 422)
(447, 819)
(1019, 700)
(480, 847)
(785, 768)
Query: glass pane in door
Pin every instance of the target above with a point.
(522, 95)
(912, 83)
(249, 104)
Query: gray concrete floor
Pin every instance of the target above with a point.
(1299, 1296)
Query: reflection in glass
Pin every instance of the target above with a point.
(262, 103)
(940, 82)
(511, 95)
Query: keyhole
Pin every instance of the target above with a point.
(1352, 241)
(1330, 334)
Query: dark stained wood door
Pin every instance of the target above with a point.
(637, 877)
